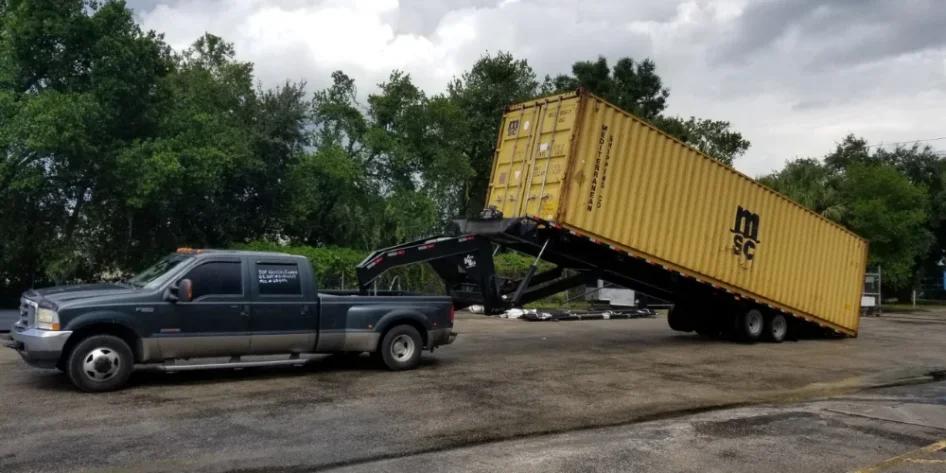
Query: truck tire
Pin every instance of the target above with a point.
(100, 363)
(680, 318)
(401, 347)
(776, 328)
(750, 325)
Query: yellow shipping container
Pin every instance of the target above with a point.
(593, 168)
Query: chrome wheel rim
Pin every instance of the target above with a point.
(402, 347)
(101, 364)
(779, 327)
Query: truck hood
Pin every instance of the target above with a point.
(58, 295)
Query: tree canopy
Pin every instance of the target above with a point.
(636, 87)
(894, 198)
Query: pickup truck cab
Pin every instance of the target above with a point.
(196, 305)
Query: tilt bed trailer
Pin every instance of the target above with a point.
(594, 190)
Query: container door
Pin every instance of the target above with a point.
(543, 188)
(512, 162)
(531, 157)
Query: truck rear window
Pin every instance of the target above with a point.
(278, 279)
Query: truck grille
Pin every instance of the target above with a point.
(27, 313)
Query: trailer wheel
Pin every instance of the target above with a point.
(776, 328)
(750, 325)
(679, 318)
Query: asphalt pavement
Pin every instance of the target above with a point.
(898, 429)
(505, 386)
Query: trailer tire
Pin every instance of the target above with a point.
(776, 328)
(680, 319)
(750, 325)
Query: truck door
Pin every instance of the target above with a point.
(215, 322)
(282, 319)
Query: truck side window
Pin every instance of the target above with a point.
(278, 279)
(219, 278)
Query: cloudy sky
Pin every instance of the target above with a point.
(794, 76)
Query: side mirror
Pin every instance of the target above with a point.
(185, 290)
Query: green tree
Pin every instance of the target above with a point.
(922, 167)
(195, 170)
(482, 94)
(812, 184)
(891, 198)
(885, 207)
(330, 203)
(413, 139)
(381, 173)
(632, 86)
(415, 152)
(79, 82)
(851, 150)
(637, 88)
(338, 117)
(926, 168)
(713, 137)
(279, 140)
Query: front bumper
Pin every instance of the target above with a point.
(442, 336)
(39, 348)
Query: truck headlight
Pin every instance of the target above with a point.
(47, 319)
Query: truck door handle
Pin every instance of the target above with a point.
(245, 312)
(305, 310)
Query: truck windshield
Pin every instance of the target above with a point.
(155, 275)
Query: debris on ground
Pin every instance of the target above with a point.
(572, 314)
(516, 313)
(534, 315)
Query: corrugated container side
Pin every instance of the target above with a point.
(598, 170)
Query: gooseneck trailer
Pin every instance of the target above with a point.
(601, 194)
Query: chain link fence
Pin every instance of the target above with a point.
(932, 289)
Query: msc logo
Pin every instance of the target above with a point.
(745, 233)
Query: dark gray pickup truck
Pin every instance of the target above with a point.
(204, 304)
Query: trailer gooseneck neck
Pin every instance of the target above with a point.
(465, 263)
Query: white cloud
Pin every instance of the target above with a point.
(793, 77)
